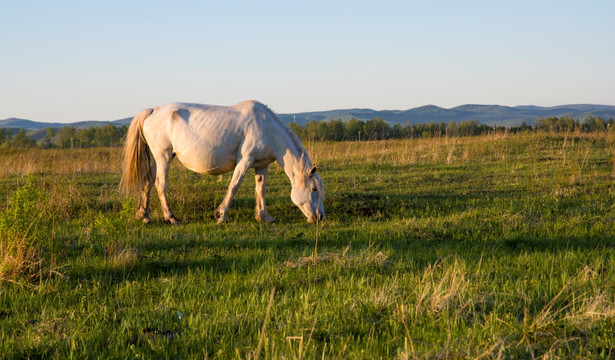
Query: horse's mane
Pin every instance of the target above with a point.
(306, 163)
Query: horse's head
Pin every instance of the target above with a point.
(307, 193)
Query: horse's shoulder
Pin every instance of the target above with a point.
(249, 106)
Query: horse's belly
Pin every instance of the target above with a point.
(206, 154)
(207, 163)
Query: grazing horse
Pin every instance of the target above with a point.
(214, 140)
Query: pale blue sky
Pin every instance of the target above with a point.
(78, 60)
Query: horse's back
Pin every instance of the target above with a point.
(206, 138)
(198, 115)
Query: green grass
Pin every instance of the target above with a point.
(497, 246)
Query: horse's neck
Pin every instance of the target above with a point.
(291, 155)
(291, 161)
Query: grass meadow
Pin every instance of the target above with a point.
(497, 246)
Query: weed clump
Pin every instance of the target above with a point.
(112, 230)
(25, 227)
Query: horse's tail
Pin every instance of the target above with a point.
(138, 158)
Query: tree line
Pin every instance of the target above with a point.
(65, 137)
(378, 129)
(332, 130)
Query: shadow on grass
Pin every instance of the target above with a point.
(242, 245)
(243, 249)
(417, 205)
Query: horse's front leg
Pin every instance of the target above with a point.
(261, 213)
(241, 169)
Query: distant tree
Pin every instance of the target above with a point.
(592, 123)
(398, 132)
(297, 129)
(546, 124)
(3, 136)
(370, 130)
(376, 129)
(111, 134)
(564, 124)
(382, 128)
(47, 141)
(521, 128)
(86, 137)
(123, 130)
(412, 129)
(99, 137)
(312, 130)
(336, 130)
(354, 127)
(21, 140)
(323, 131)
(543, 124)
(441, 128)
(430, 129)
(452, 129)
(469, 128)
(66, 137)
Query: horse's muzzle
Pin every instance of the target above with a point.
(317, 218)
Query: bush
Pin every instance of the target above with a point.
(112, 230)
(24, 225)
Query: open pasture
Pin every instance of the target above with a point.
(498, 246)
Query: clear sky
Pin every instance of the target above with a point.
(68, 61)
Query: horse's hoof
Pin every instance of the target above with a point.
(172, 220)
(141, 214)
(146, 220)
(265, 219)
(220, 216)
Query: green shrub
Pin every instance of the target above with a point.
(24, 225)
(112, 230)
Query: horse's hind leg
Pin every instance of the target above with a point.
(162, 171)
(144, 196)
(261, 213)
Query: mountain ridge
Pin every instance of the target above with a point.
(487, 114)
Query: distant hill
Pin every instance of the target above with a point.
(486, 114)
(15, 123)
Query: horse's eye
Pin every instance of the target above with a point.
(314, 189)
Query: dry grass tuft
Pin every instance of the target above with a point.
(442, 287)
(123, 257)
(18, 260)
(345, 258)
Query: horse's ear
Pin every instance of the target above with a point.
(313, 171)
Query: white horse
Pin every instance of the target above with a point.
(214, 140)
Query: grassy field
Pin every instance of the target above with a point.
(499, 246)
